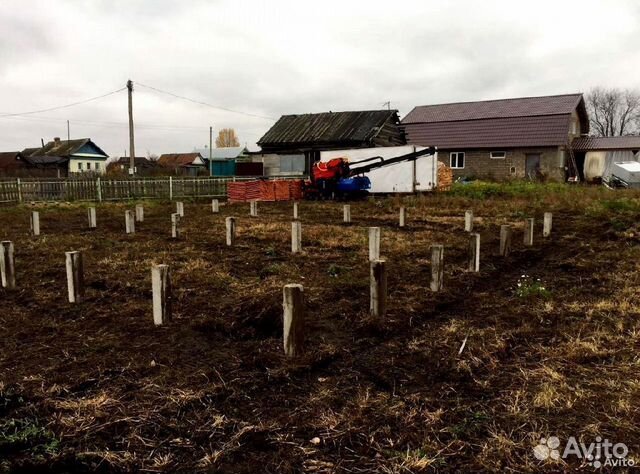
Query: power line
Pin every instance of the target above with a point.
(106, 124)
(205, 103)
(64, 106)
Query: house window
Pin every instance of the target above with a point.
(456, 159)
(97, 166)
(80, 166)
(88, 166)
(291, 164)
(498, 155)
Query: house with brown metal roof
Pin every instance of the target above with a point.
(502, 139)
(191, 164)
(294, 142)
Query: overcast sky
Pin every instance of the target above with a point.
(283, 57)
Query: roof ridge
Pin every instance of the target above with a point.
(500, 100)
(70, 140)
(342, 112)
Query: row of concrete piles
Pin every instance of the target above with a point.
(293, 294)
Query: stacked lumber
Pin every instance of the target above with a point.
(262, 190)
(445, 177)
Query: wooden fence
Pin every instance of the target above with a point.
(101, 189)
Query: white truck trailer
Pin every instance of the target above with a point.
(404, 177)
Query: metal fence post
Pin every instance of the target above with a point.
(170, 188)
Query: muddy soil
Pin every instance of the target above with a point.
(552, 340)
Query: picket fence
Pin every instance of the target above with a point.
(101, 189)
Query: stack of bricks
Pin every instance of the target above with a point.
(278, 190)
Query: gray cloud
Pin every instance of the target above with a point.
(22, 40)
(273, 58)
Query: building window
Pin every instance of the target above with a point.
(498, 155)
(79, 166)
(88, 166)
(292, 164)
(456, 159)
(97, 166)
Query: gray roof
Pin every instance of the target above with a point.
(62, 148)
(46, 160)
(346, 128)
(225, 153)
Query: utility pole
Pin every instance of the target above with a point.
(132, 148)
(210, 151)
(68, 132)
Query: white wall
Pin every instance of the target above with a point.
(74, 165)
(396, 178)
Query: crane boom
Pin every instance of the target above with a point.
(355, 170)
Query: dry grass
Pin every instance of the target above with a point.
(213, 392)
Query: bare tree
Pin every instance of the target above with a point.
(227, 137)
(613, 111)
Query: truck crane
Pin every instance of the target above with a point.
(339, 179)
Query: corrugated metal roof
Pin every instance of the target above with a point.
(488, 109)
(223, 153)
(357, 127)
(631, 142)
(550, 130)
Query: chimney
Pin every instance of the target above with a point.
(56, 140)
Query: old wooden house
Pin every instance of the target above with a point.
(294, 142)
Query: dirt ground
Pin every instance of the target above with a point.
(552, 339)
